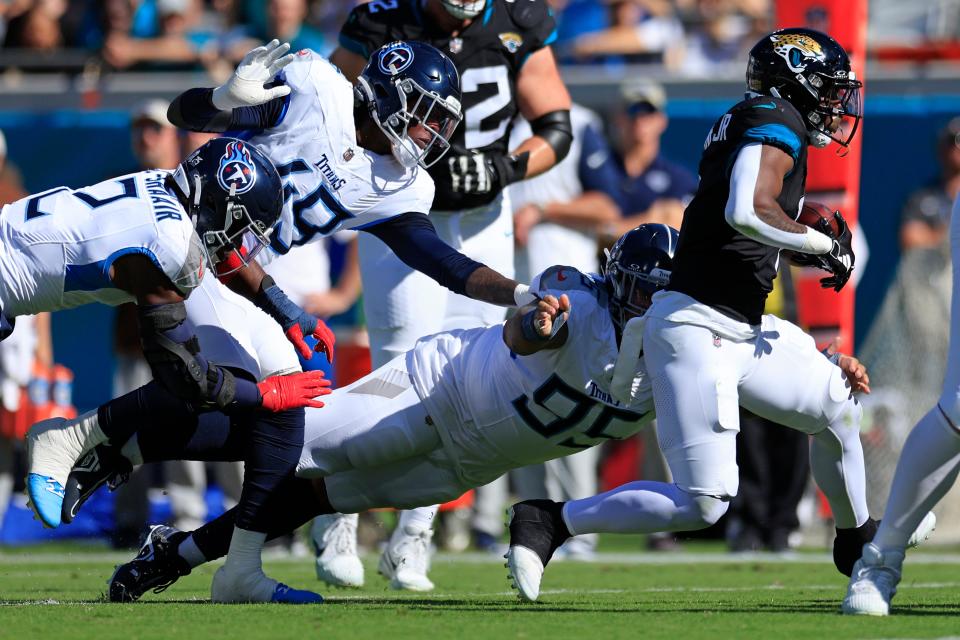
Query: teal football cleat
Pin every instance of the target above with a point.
(288, 595)
(46, 499)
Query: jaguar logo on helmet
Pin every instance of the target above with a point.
(237, 170)
(395, 58)
(797, 49)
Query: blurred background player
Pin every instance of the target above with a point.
(500, 49)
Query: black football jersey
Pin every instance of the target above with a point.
(488, 54)
(714, 263)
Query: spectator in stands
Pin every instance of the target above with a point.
(635, 31)
(718, 40)
(926, 216)
(285, 21)
(179, 41)
(37, 27)
(651, 187)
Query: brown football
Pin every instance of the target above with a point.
(811, 213)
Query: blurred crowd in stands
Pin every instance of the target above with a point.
(696, 38)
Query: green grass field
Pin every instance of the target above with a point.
(52, 594)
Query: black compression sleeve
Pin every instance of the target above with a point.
(555, 128)
(412, 237)
(193, 109)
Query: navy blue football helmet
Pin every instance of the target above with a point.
(811, 71)
(639, 265)
(412, 91)
(234, 197)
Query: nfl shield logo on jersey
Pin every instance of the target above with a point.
(456, 45)
(236, 169)
(395, 57)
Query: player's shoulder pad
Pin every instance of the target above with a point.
(527, 14)
(771, 121)
(366, 26)
(564, 278)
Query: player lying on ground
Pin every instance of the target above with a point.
(349, 160)
(143, 237)
(927, 468)
(708, 347)
(457, 411)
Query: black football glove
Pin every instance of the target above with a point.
(476, 172)
(840, 259)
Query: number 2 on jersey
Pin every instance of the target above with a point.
(128, 189)
(474, 116)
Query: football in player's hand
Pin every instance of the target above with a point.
(812, 213)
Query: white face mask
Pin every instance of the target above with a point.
(464, 9)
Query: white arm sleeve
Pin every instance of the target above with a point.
(741, 215)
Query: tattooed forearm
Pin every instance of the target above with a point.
(489, 286)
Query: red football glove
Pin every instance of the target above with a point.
(279, 393)
(321, 332)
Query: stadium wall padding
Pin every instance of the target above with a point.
(77, 148)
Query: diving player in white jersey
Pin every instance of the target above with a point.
(927, 469)
(143, 237)
(458, 410)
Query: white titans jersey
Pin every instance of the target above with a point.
(56, 247)
(330, 182)
(496, 410)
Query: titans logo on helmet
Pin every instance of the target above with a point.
(236, 168)
(395, 58)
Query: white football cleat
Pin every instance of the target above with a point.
(525, 572)
(406, 559)
(923, 531)
(874, 582)
(335, 540)
(53, 447)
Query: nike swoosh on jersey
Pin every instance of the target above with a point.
(596, 159)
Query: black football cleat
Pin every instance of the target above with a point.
(536, 531)
(156, 567)
(101, 465)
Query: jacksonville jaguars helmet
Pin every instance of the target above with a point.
(638, 265)
(464, 9)
(233, 195)
(812, 72)
(412, 88)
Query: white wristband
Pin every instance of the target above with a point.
(522, 295)
(816, 242)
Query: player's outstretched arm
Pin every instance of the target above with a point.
(539, 327)
(253, 283)
(413, 238)
(250, 99)
(172, 350)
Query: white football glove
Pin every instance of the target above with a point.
(260, 66)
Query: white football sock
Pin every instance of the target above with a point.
(189, 551)
(927, 468)
(641, 507)
(836, 462)
(419, 519)
(131, 451)
(244, 567)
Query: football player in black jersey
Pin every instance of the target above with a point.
(500, 48)
(708, 347)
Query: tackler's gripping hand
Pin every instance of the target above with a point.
(245, 88)
(476, 172)
(296, 322)
(309, 325)
(279, 393)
